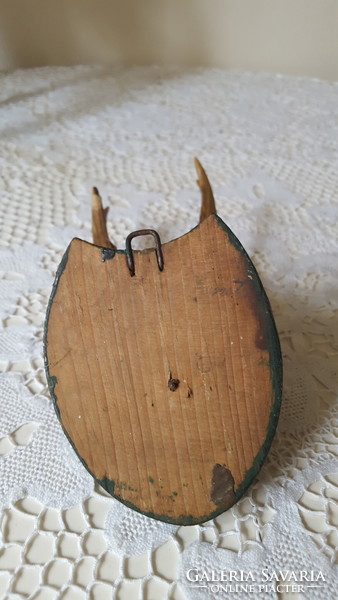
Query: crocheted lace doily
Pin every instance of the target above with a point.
(269, 145)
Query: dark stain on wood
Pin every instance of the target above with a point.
(222, 486)
(260, 341)
(256, 301)
(261, 337)
(173, 384)
(107, 253)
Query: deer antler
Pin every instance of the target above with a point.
(208, 201)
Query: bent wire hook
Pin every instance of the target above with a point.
(129, 250)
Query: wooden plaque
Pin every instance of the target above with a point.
(167, 383)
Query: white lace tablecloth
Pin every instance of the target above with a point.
(269, 145)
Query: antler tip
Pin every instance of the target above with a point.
(208, 202)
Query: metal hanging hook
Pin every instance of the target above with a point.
(129, 250)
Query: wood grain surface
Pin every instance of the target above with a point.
(167, 383)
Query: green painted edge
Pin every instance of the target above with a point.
(275, 362)
(275, 365)
(51, 379)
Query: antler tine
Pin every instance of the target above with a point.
(208, 206)
(99, 221)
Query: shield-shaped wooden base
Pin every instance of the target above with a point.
(168, 384)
